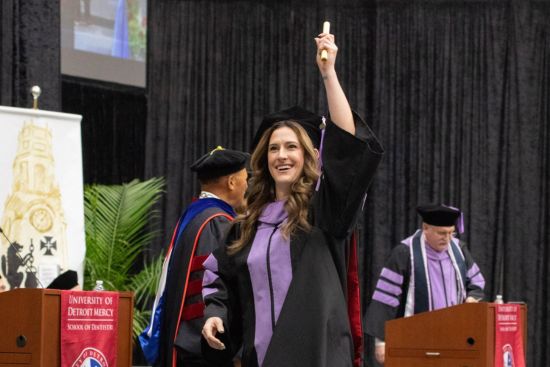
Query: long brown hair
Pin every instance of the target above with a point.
(262, 188)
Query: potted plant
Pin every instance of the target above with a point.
(118, 219)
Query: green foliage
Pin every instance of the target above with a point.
(116, 220)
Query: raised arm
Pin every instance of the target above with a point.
(340, 111)
(351, 153)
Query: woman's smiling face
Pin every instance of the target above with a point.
(285, 159)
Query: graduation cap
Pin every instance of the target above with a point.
(66, 280)
(312, 123)
(219, 162)
(441, 216)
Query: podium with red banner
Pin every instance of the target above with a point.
(30, 325)
(466, 335)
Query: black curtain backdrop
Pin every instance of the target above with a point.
(456, 90)
(113, 128)
(30, 53)
(215, 68)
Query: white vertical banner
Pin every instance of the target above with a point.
(41, 196)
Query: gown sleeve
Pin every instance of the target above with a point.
(390, 295)
(212, 235)
(220, 294)
(215, 290)
(348, 166)
(475, 282)
(191, 322)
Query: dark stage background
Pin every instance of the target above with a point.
(458, 92)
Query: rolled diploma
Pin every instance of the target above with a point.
(326, 29)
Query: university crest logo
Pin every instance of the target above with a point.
(90, 357)
(507, 356)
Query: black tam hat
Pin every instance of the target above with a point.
(439, 215)
(219, 162)
(66, 280)
(312, 123)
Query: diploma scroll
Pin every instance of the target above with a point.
(326, 29)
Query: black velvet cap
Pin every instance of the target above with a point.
(66, 280)
(219, 162)
(311, 122)
(438, 215)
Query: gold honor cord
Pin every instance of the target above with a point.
(219, 147)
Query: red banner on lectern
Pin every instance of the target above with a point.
(508, 337)
(88, 328)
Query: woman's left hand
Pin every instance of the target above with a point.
(325, 41)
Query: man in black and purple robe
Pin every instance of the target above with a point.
(427, 271)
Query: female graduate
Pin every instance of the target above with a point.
(279, 290)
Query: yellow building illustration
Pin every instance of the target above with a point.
(33, 217)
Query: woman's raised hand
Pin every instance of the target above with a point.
(325, 41)
(340, 111)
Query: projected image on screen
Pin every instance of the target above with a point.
(104, 39)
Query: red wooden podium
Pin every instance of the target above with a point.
(30, 328)
(459, 336)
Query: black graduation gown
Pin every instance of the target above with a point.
(189, 333)
(313, 328)
(399, 263)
